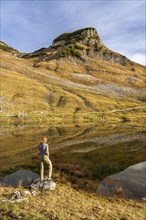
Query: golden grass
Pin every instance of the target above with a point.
(15, 84)
(28, 89)
(67, 203)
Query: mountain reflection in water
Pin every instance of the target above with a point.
(78, 151)
(130, 183)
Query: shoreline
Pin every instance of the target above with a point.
(114, 116)
(76, 180)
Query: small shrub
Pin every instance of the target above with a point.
(133, 69)
(97, 47)
(72, 40)
(88, 42)
(78, 47)
(125, 119)
(55, 46)
(70, 51)
(6, 48)
(78, 54)
(80, 37)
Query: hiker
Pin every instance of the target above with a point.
(43, 150)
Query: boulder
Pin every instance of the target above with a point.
(40, 185)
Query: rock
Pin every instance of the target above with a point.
(45, 184)
(25, 193)
(35, 187)
(17, 200)
(16, 195)
(14, 200)
(20, 115)
(34, 192)
(50, 184)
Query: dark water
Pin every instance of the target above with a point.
(100, 153)
(130, 183)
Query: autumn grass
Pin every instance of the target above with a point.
(28, 89)
(67, 203)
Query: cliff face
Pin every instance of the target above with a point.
(77, 35)
(80, 44)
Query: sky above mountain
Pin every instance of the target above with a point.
(28, 25)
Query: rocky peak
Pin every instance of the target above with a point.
(81, 44)
(85, 43)
(81, 35)
(89, 32)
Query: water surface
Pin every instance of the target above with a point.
(130, 183)
(83, 151)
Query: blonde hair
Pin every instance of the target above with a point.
(43, 140)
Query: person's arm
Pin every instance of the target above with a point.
(47, 150)
(38, 150)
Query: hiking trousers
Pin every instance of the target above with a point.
(45, 159)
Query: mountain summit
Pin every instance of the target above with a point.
(78, 35)
(82, 44)
(86, 42)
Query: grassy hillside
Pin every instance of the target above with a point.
(68, 203)
(6, 48)
(44, 82)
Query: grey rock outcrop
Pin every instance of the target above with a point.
(45, 184)
(93, 46)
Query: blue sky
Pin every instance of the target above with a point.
(28, 25)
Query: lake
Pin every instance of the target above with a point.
(106, 158)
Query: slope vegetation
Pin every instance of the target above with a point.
(76, 74)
